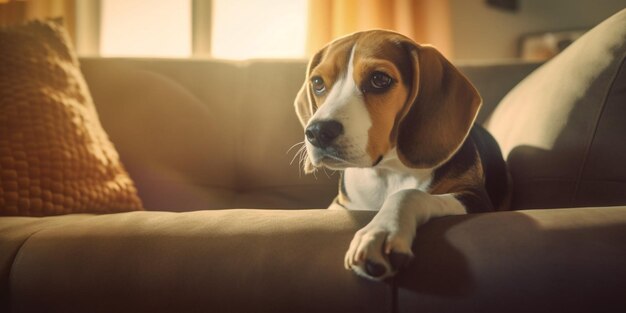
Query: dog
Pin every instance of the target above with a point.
(396, 118)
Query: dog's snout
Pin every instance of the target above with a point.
(322, 134)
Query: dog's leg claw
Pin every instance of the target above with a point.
(374, 269)
(378, 251)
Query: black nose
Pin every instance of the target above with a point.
(322, 134)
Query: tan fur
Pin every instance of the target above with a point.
(331, 67)
(426, 125)
(378, 52)
(382, 108)
(341, 198)
(306, 101)
(457, 181)
(436, 123)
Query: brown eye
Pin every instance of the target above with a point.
(318, 85)
(380, 80)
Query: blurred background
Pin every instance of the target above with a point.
(247, 29)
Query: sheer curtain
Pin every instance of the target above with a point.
(425, 21)
(80, 17)
(16, 12)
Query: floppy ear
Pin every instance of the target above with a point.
(440, 111)
(304, 108)
(304, 111)
(305, 102)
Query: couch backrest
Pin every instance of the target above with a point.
(204, 134)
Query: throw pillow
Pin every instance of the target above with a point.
(563, 128)
(55, 158)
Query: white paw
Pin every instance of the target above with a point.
(378, 251)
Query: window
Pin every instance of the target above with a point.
(145, 28)
(244, 29)
(240, 29)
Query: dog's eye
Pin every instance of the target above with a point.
(318, 85)
(380, 80)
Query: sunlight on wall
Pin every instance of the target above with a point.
(146, 28)
(244, 29)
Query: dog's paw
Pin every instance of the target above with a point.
(378, 251)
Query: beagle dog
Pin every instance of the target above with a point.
(397, 120)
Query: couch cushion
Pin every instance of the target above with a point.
(217, 261)
(563, 128)
(55, 158)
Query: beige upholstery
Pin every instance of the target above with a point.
(207, 134)
(562, 128)
(217, 261)
(569, 260)
(557, 260)
(14, 232)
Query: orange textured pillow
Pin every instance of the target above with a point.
(55, 158)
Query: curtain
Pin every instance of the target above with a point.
(425, 21)
(18, 11)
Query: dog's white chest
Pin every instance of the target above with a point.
(367, 188)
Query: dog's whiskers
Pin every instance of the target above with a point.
(302, 160)
(331, 173)
(295, 145)
(301, 155)
(297, 155)
(299, 152)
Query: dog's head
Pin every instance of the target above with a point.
(370, 92)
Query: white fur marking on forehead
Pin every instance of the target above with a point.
(348, 88)
(350, 72)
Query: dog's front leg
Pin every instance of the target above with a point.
(380, 248)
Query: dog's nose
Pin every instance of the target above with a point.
(322, 134)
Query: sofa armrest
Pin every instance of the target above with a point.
(209, 261)
(557, 260)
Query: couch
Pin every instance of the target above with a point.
(233, 225)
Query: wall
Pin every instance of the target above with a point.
(482, 32)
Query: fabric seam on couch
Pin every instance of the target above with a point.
(14, 263)
(18, 254)
(596, 124)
